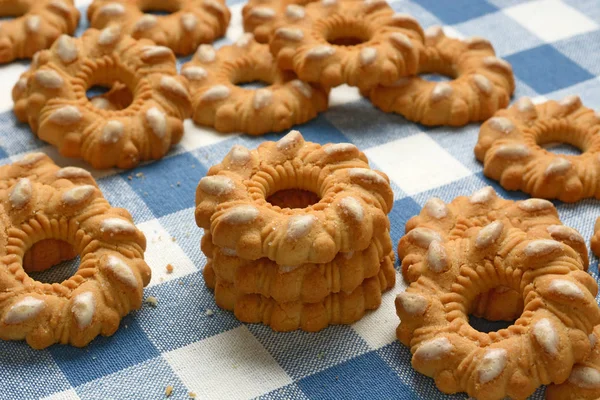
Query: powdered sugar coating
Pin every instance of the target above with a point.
(23, 310)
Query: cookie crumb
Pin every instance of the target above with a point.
(130, 177)
(153, 301)
(168, 390)
(178, 183)
(139, 175)
(209, 312)
(173, 239)
(192, 395)
(169, 268)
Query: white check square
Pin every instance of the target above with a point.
(65, 395)
(378, 327)
(551, 20)
(161, 250)
(230, 365)
(417, 163)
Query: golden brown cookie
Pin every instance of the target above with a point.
(596, 238)
(42, 205)
(37, 24)
(261, 17)
(481, 83)
(454, 252)
(218, 102)
(309, 283)
(191, 22)
(584, 381)
(361, 43)
(231, 201)
(51, 97)
(336, 308)
(509, 146)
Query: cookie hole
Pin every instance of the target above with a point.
(495, 309)
(562, 148)
(117, 97)
(51, 261)
(434, 77)
(347, 33)
(253, 85)
(559, 138)
(159, 8)
(487, 326)
(293, 198)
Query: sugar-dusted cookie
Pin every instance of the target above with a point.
(361, 43)
(51, 97)
(231, 201)
(584, 381)
(453, 253)
(510, 143)
(481, 83)
(190, 23)
(49, 214)
(37, 25)
(336, 308)
(218, 102)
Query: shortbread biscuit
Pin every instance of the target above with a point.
(191, 22)
(51, 97)
(308, 283)
(218, 102)
(481, 83)
(454, 252)
(231, 201)
(596, 238)
(584, 381)
(337, 308)
(509, 147)
(38, 24)
(361, 43)
(49, 214)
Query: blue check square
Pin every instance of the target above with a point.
(459, 10)
(546, 69)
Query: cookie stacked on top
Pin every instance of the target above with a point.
(296, 234)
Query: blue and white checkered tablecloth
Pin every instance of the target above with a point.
(554, 47)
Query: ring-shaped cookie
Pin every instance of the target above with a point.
(262, 17)
(481, 85)
(470, 246)
(51, 97)
(371, 44)
(41, 203)
(596, 238)
(509, 146)
(335, 308)
(231, 201)
(190, 24)
(38, 23)
(218, 102)
(308, 283)
(584, 381)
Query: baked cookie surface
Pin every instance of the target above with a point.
(51, 98)
(51, 214)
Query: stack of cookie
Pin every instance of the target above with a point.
(296, 234)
